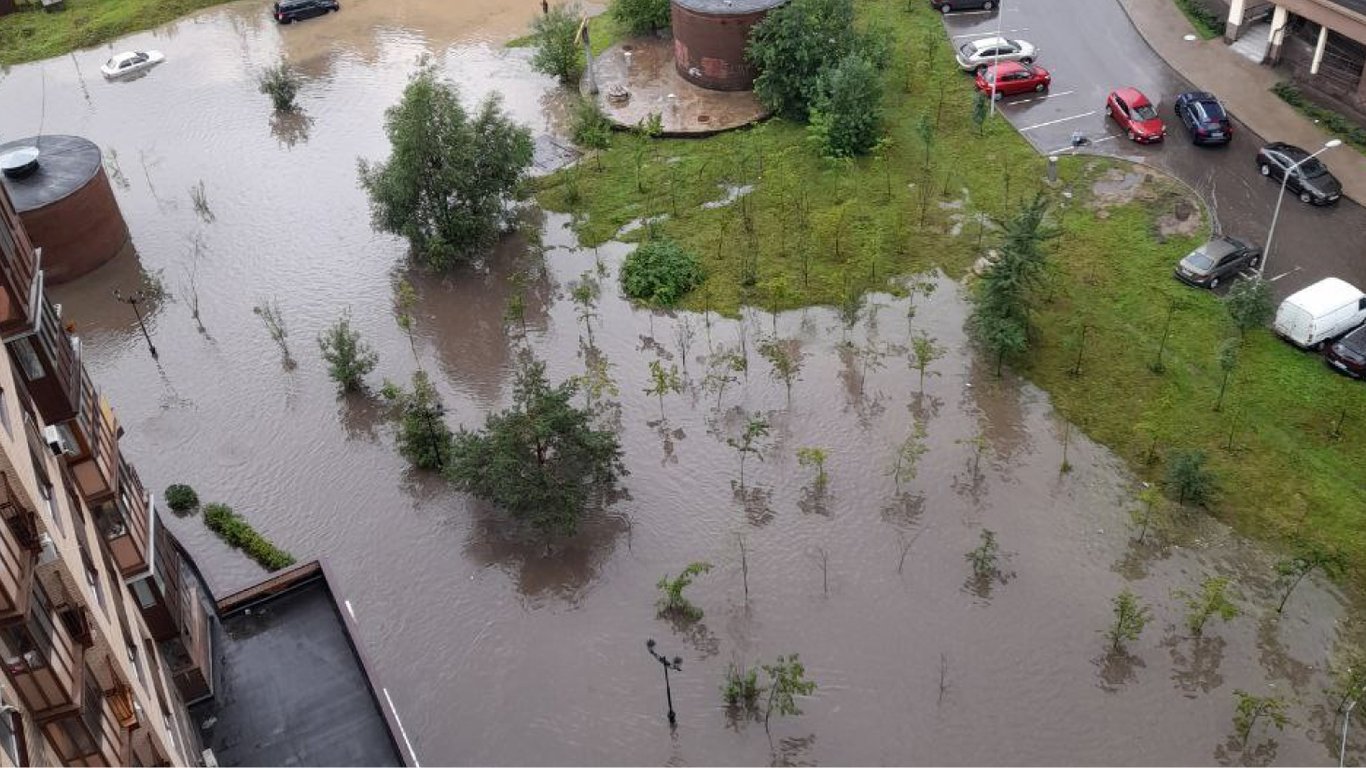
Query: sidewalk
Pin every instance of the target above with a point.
(1243, 86)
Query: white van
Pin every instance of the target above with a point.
(1320, 313)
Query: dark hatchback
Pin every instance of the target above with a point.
(949, 6)
(1310, 180)
(1348, 354)
(287, 11)
(1204, 118)
(1220, 259)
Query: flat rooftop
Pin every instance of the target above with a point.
(291, 687)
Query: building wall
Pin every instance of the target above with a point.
(162, 733)
(80, 232)
(709, 49)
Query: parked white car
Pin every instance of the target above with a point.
(1313, 316)
(989, 50)
(128, 62)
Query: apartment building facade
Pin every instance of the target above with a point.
(104, 631)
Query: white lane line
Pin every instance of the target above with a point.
(988, 33)
(1059, 120)
(350, 610)
(1036, 98)
(1070, 148)
(1283, 274)
(402, 732)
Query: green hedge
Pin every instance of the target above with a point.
(181, 498)
(1334, 122)
(1207, 23)
(238, 533)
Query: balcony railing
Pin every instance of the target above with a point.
(43, 662)
(123, 521)
(94, 454)
(19, 549)
(92, 734)
(20, 281)
(49, 361)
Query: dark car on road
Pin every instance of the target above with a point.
(294, 10)
(1204, 117)
(1220, 259)
(1348, 354)
(949, 6)
(1307, 178)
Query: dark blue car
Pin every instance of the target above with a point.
(949, 6)
(1204, 117)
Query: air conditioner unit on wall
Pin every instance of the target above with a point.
(57, 442)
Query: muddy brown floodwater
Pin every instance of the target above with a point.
(495, 651)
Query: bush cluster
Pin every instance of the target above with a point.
(660, 272)
(1334, 122)
(181, 497)
(238, 533)
(641, 17)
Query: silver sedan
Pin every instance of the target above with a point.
(983, 52)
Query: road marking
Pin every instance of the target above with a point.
(1037, 98)
(350, 610)
(1070, 148)
(988, 33)
(402, 732)
(1283, 274)
(1059, 120)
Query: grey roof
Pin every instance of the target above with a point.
(65, 164)
(724, 7)
(290, 688)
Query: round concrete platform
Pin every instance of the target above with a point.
(645, 67)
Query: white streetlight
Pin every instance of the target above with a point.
(1285, 177)
(996, 57)
(1346, 718)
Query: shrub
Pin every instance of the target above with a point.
(557, 53)
(181, 497)
(1334, 122)
(742, 688)
(281, 83)
(660, 272)
(591, 129)
(793, 45)
(1188, 479)
(348, 358)
(423, 437)
(641, 17)
(1208, 23)
(239, 534)
(846, 114)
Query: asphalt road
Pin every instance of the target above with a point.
(1090, 47)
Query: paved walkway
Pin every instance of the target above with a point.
(1243, 86)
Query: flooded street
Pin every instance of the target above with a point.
(497, 652)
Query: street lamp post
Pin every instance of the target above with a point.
(1285, 178)
(676, 664)
(996, 58)
(133, 300)
(1346, 718)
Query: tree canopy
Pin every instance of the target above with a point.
(450, 177)
(554, 36)
(541, 459)
(793, 45)
(1000, 318)
(847, 112)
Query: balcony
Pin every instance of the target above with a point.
(92, 444)
(124, 522)
(21, 282)
(49, 361)
(44, 663)
(19, 549)
(92, 733)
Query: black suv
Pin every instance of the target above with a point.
(1220, 259)
(1309, 179)
(1204, 117)
(293, 10)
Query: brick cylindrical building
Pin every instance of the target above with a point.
(710, 38)
(67, 206)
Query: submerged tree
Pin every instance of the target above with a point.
(742, 688)
(906, 464)
(450, 175)
(984, 558)
(924, 351)
(662, 382)
(541, 459)
(1209, 602)
(786, 681)
(423, 437)
(1253, 708)
(785, 361)
(1131, 617)
(750, 442)
(281, 83)
(672, 603)
(1311, 556)
(554, 35)
(348, 358)
(811, 456)
(722, 368)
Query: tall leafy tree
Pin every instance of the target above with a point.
(450, 176)
(348, 358)
(554, 35)
(640, 17)
(846, 114)
(423, 437)
(542, 459)
(793, 45)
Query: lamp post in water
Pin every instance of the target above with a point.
(133, 301)
(676, 664)
(1346, 718)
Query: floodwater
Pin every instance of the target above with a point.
(497, 651)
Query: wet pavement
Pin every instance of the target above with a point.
(644, 66)
(1097, 50)
(497, 650)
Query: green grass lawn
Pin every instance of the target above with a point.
(33, 34)
(1208, 25)
(812, 230)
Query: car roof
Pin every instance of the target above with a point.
(1006, 67)
(1221, 246)
(1289, 149)
(1132, 96)
(987, 42)
(1328, 293)
(1197, 96)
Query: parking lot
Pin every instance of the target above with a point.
(1091, 48)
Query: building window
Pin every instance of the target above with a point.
(53, 511)
(92, 578)
(142, 590)
(137, 664)
(8, 741)
(28, 359)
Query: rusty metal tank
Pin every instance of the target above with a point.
(710, 38)
(65, 202)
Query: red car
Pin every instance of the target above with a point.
(1013, 77)
(1135, 115)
